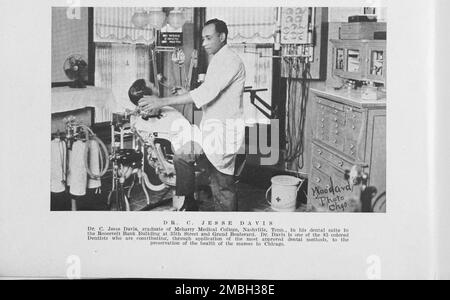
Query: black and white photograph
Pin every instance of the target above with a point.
(264, 109)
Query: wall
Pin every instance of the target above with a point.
(69, 36)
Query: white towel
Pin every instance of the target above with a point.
(77, 178)
(57, 165)
(94, 164)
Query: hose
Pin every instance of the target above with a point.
(296, 113)
(152, 187)
(103, 153)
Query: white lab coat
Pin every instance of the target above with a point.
(222, 128)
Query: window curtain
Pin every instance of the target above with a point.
(117, 66)
(258, 69)
(121, 51)
(253, 27)
(113, 24)
(246, 24)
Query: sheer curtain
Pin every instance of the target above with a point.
(121, 51)
(258, 69)
(117, 66)
(246, 24)
(113, 24)
(251, 36)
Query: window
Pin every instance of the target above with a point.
(251, 36)
(121, 51)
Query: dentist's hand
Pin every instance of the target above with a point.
(150, 103)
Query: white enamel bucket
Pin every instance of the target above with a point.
(284, 192)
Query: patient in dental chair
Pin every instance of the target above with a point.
(142, 87)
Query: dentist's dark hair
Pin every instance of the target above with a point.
(220, 26)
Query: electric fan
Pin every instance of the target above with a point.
(76, 69)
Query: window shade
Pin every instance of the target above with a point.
(113, 24)
(246, 24)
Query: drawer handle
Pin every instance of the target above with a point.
(335, 141)
(335, 111)
(354, 116)
(341, 163)
(321, 125)
(336, 125)
(335, 118)
(337, 132)
(352, 146)
(318, 166)
(352, 153)
(317, 179)
(353, 127)
(319, 151)
(322, 119)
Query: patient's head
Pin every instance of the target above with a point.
(139, 88)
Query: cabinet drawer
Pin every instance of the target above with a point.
(330, 104)
(322, 131)
(336, 141)
(335, 160)
(351, 148)
(340, 163)
(320, 179)
(335, 116)
(354, 133)
(321, 164)
(330, 127)
(322, 127)
(353, 128)
(354, 117)
(316, 150)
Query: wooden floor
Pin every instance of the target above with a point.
(249, 199)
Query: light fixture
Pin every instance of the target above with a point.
(156, 17)
(176, 18)
(139, 19)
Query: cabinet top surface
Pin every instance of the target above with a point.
(350, 97)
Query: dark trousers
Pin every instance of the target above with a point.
(223, 186)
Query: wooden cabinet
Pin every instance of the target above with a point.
(360, 59)
(346, 131)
